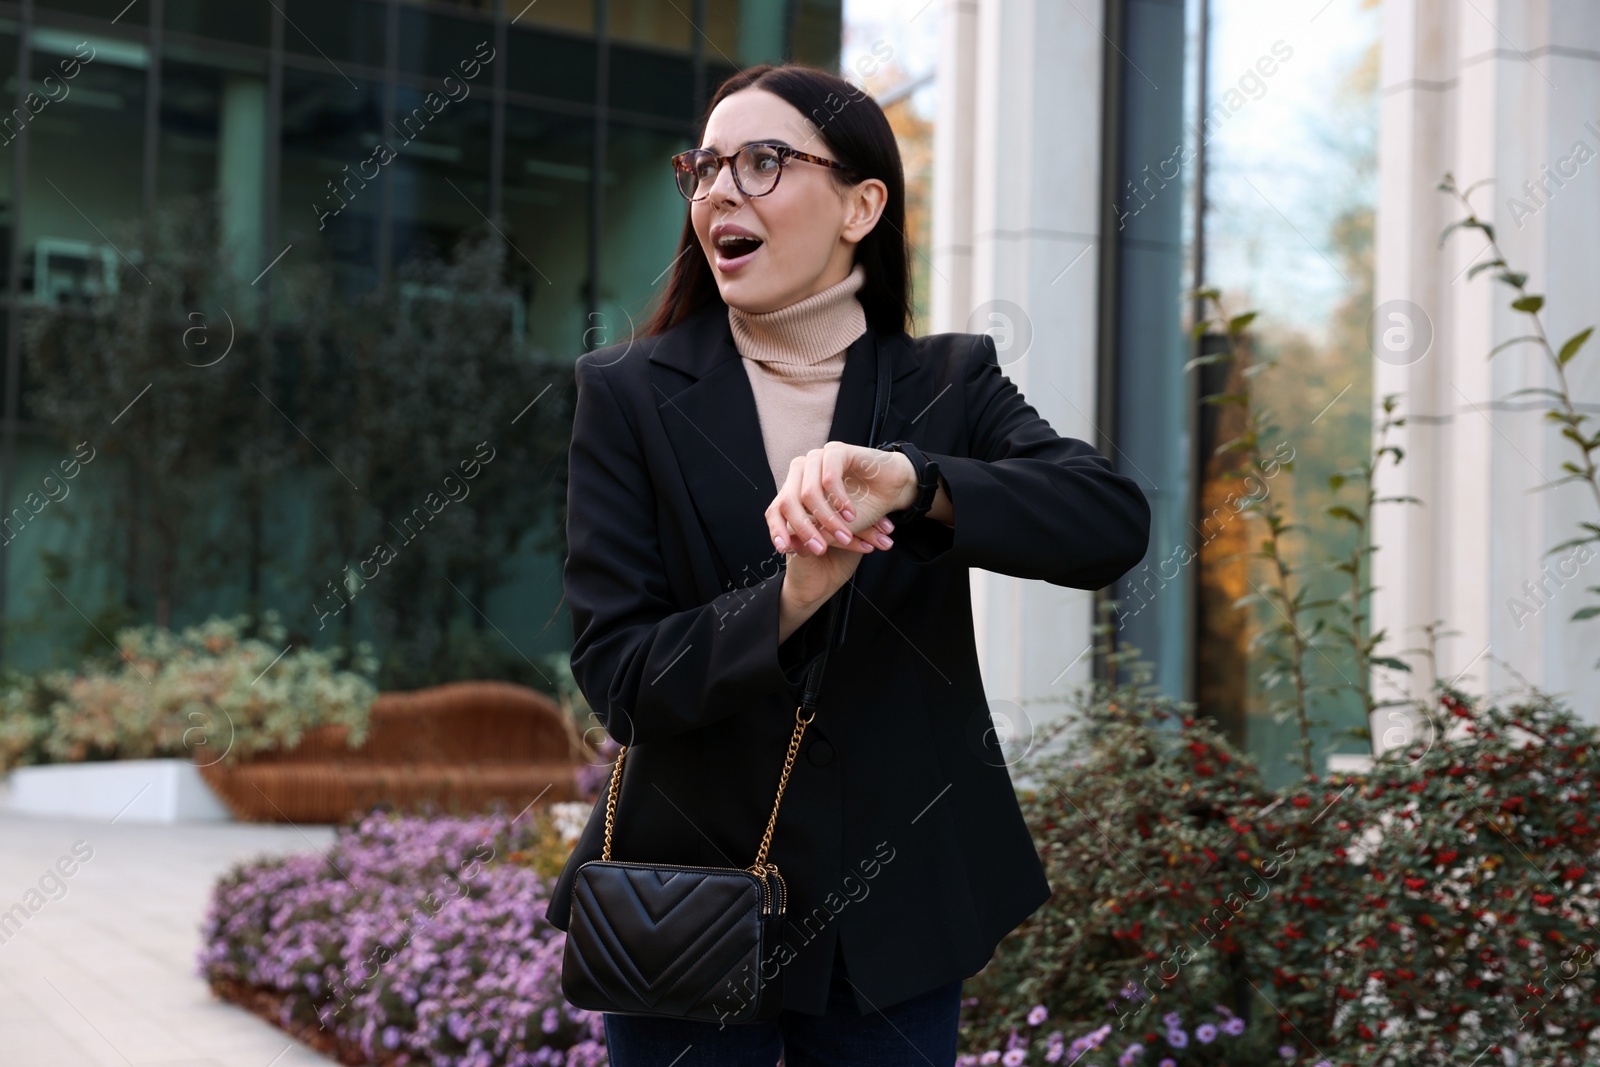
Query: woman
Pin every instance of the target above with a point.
(722, 489)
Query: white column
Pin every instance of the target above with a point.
(241, 171)
(1508, 91)
(1015, 238)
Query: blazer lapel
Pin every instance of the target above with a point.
(715, 430)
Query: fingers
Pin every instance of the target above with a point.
(835, 486)
(790, 528)
(822, 470)
(802, 517)
(871, 543)
(875, 540)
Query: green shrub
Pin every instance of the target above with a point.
(1137, 810)
(207, 693)
(1471, 918)
(1444, 900)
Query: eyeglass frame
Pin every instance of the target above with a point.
(785, 153)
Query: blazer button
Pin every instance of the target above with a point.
(819, 752)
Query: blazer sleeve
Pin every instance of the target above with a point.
(1028, 502)
(647, 668)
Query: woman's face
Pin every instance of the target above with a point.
(806, 226)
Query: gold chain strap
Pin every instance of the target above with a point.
(760, 865)
(788, 763)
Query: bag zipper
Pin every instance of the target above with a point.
(767, 892)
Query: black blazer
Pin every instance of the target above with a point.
(899, 832)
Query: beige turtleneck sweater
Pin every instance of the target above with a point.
(794, 357)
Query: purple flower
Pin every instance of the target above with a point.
(1172, 1018)
(414, 933)
(1133, 1052)
(1014, 1057)
(1206, 1033)
(1177, 1038)
(1286, 1051)
(1168, 1062)
(992, 1056)
(1037, 1015)
(1234, 1026)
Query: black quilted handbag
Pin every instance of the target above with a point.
(690, 942)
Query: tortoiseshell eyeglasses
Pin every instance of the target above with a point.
(756, 168)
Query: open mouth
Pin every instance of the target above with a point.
(735, 251)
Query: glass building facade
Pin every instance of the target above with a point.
(358, 134)
(1241, 157)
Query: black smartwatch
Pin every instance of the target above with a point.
(927, 481)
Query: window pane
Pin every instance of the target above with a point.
(1288, 232)
(8, 66)
(436, 45)
(575, 15)
(1151, 345)
(441, 178)
(815, 38)
(213, 138)
(8, 53)
(652, 83)
(743, 32)
(329, 188)
(338, 29)
(644, 215)
(546, 208)
(653, 22)
(551, 65)
(85, 170)
(233, 21)
(133, 14)
(486, 7)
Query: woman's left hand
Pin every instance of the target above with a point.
(838, 491)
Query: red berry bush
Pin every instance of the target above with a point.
(1439, 906)
(1475, 924)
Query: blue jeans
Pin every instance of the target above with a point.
(913, 1033)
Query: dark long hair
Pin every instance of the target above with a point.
(857, 133)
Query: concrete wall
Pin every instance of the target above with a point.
(1015, 237)
(1508, 91)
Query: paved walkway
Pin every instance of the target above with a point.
(104, 972)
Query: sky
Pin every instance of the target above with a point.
(903, 32)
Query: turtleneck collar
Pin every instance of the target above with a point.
(806, 339)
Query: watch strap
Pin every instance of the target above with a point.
(927, 474)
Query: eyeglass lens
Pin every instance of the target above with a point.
(755, 171)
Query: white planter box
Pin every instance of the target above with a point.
(138, 790)
(1349, 763)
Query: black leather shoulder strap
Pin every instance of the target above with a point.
(838, 606)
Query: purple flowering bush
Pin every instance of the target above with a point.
(1209, 1042)
(414, 940)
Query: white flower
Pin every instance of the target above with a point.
(569, 817)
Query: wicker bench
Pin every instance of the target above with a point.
(459, 747)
